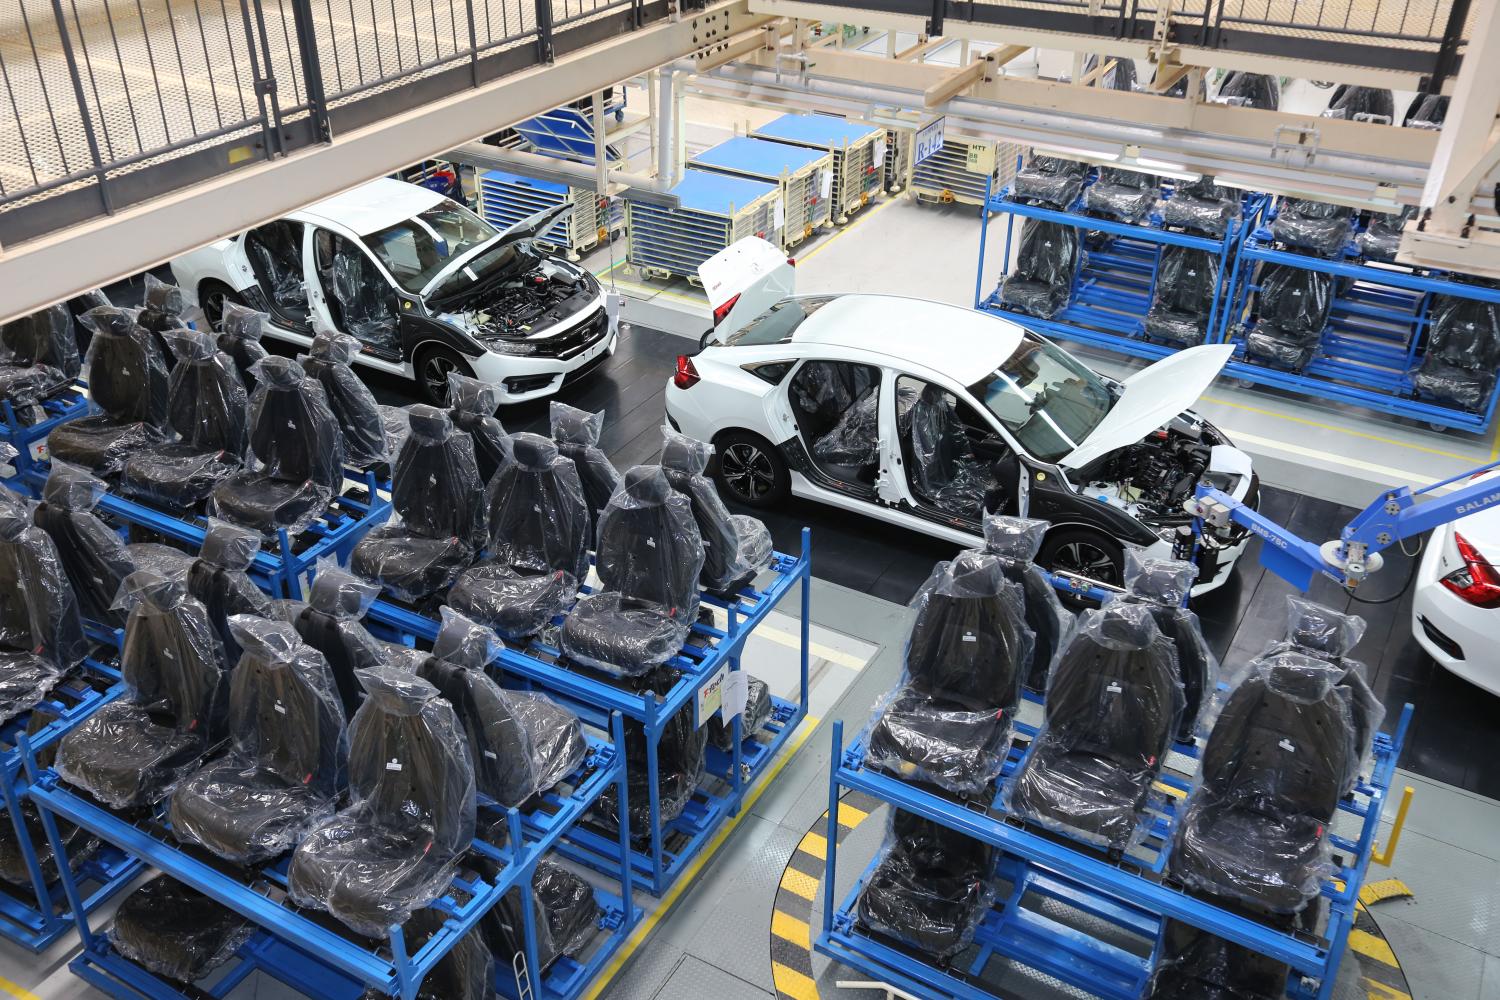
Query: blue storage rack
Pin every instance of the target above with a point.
(857, 174)
(798, 171)
(1114, 899)
(316, 956)
(36, 916)
(708, 656)
(568, 131)
(27, 432)
(506, 198)
(714, 211)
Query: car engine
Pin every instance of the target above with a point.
(1152, 479)
(517, 306)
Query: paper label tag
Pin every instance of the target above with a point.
(736, 696)
(1288, 746)
(880, 151)
(711, 695)
(280, 708)
(1114, 688)
(778, 214)
(970, 637)
(825, 183)
(393, 765)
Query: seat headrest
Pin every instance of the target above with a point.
(1018, 538)
(276, 372)
(273, 641)
(534, 451)
(109, 321)
(932, 395)
(466, 643)
(1122, 626)
(339, 593)
(429, 422)
(15, 520)
(162, 296)
(973, 574)
(242, 322)
(190, 345)
(228, 546)
(1165, 581)
(71, 488)
(144, 587)
(684, 454)
(469, 395)
(1301, 678)
(394, 690)
(570, 425)
(647, 485)
(334, 347)
(1321, 630)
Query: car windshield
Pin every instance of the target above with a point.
(416, 249)
(777, 324)
(1045, 398)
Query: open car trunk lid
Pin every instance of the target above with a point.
(744, 280)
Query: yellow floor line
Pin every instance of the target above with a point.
(1392, 475)
(832, 239)
(17, 991)
(850, 816)
(789, 928)
(815, 844)
(1370, 946)
(793, 983)
(1262, 411)
(690, 875)
(799, 884)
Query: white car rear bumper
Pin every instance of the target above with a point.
(1455, 633)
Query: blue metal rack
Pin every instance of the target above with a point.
(857, 172)
(804, 176)
(317, 957)
(27, 432)
(38, 915)
(1113, 898)
(714, 211)
(707, 658)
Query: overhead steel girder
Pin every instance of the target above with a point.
(40, 272)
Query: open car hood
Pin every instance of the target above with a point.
(530, 227)
(1151, 398)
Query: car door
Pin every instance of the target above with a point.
(352, 293)
(833, 409)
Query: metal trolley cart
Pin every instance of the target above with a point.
(858, 155)
(26, 429)
(713, 211)
(704, 664)
(805, 177)
(320, 959)
(964, 171)
(506, 198)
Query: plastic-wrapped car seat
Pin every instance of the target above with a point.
(1427, 111)
(127, 377)
(439, 497)
(1183, 298)
(411, 813)
(1292, 306)
(465, 972)
(649, 560)
(1251, 90)
(1200, 206)
(931, 888)
(758, 709)
(41, 636)
(240, 331)
(175, 931)
(947, 472)
(1042, 281)
(1161, 585)
(1120, 76)
(1124, 195)
(565, 915)
(1313, 225)
(1196, 965)
(1463, 350)
(296, 440)
(218, 579)
(132, 752)
(366, 302)
(1382, 237)
(93, 554)
(1016, 541)
(290, 751)
(351, 401)
(577, 435)
(1114, 705)
(680, 766)
(736, 547)
(472, 405)
(80, 304)
(1050, 180)
(330, 623)
(162, 312)
(208, 415)
(1271, 777)
(539, 539)
(1362, 104)
(38, 355)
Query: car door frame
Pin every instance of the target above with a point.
(805, 470)
(243, 270)
(318, 296)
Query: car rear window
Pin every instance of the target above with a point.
(777, 324)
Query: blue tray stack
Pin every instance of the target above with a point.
(858, 155)
(804, 176)
(714, 211)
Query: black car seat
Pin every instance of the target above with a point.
(439, 498)
(1051, 181)
(1182, 299)
(1362, 104)
(521, 743)
(680, 767)
(1123, 195)
(93, 554)
(1270, 780)
(208, 417)
(240, 331)
(38, 355)
(1427, 111)
(1251, 90)
(736, 547)
(330, 623)
(1119, 76)
(367, 303)
(1463, 350)
(1016, 541)
(1200, 206)
(472, 405)
(1162, 586)
(565, 915)
(465, 972)
(289, 756)
(1193, 964)
(931, 887)
(758, 710)
(1292, 308)
(295, 437)
(127, 378)
(649, 560)
(394, 848)
(41, 635)
(950, 722)
(947, 472)
(1113, 707)
(1381, 239)
(162, 312)
(352, 402)
(132, 752)
(1315, 226)
(219, 580)
(539, 543)
(176, 931)
(577, 435)
(1042, 282)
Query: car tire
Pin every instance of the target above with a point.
(749, 469)
(1083, 551)
(432, 367)
(213, 298)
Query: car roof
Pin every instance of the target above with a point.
(371, 207)
(963, 344)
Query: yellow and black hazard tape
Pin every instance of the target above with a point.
(791, 920)
(1380, 972)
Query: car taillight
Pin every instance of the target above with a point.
(723, 308)
(687, 375)
(1477, 583)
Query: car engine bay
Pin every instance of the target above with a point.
(525, 303)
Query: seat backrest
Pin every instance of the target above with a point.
(577, 435)
(1255, 90)
(292, 430)
(539, 519)
(1187, 281)
(93, 554)
(1293, 299)
(472, 405)
(207, 404)
(38, 611)
(240, 331)
(1056, 166)
(217, 579)
(330, 623)
(1120, 177)
(1115, 691)
(172, 659)
(1049, 253)
(1465, 333)
(284, 712)
(938, 441)
(1356, 103)
(499, 744)
(649, 546)
(684, 461)
(126, 371)
(43, 338)
(163, 307)
(437, 489)
(969, 642)
(409, 759)
(352, 402)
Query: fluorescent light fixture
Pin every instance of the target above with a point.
(1176, 171)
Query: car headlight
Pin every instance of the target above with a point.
(513, 348)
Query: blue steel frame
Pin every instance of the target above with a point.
(1117, 894)
(67, 404)
(659, 866)
(37, 923)
(313, 957)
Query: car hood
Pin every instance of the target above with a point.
(1151, 398)
(524, 229)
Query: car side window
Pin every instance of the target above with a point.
(367, 306)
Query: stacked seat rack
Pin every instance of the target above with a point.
(804, 176)
(507, 198)
(26, 429)
(858, 155)
(714, 211)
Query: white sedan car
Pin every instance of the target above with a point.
(1455, 613)
(926, 415)
(426, 285)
